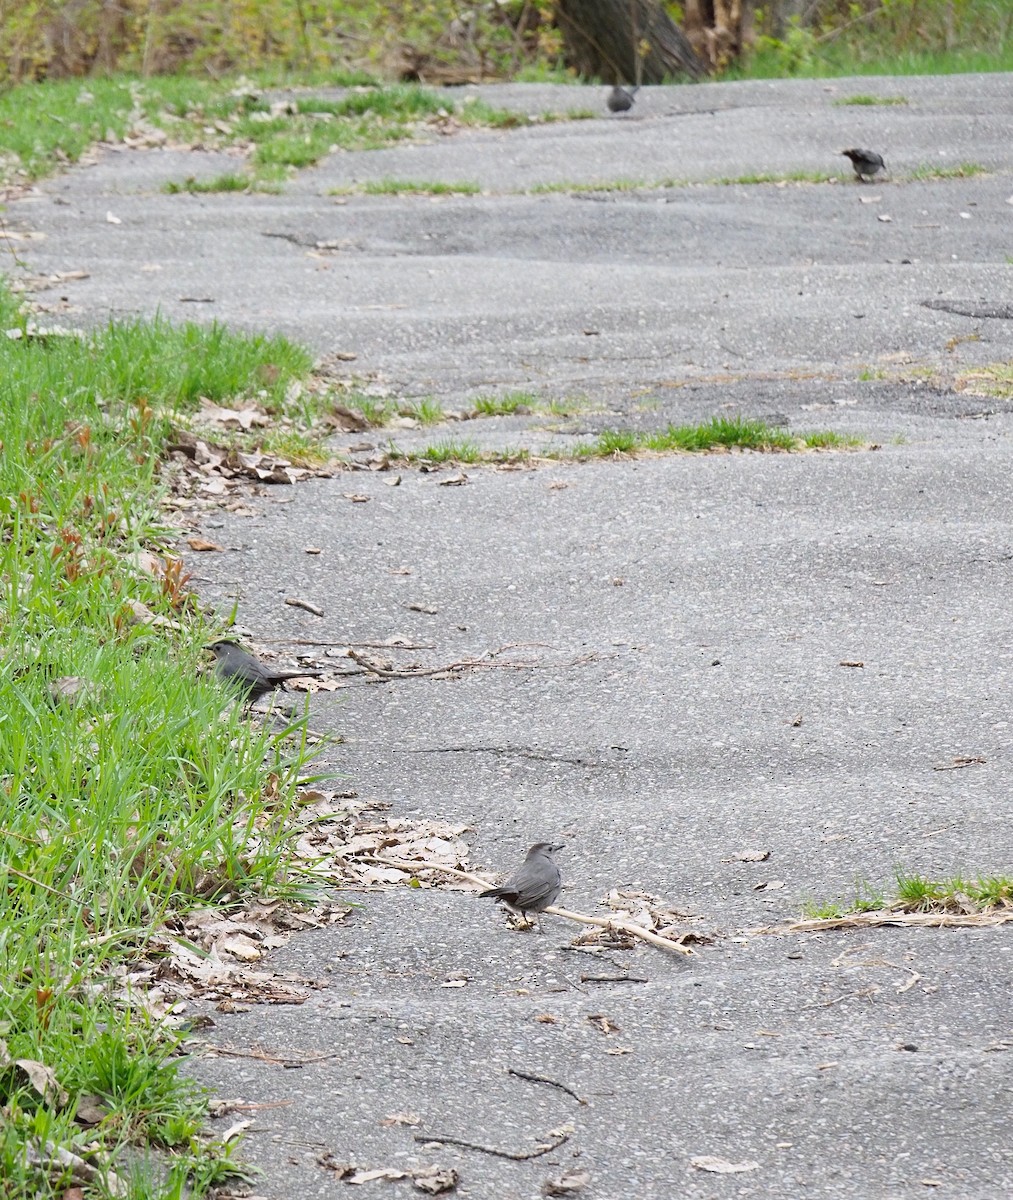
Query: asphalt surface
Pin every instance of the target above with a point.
(685, 620)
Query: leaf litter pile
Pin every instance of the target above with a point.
(345, 845)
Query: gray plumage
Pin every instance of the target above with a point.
(865, 162)
(536, 883)
(247, 673)
(620, 99)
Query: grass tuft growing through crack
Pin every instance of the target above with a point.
(139, 793)
(863, 99)
(718, 433)
(959, 171)
(407, 187)
(915, 893)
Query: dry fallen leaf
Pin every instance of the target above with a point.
(356, 497)
(434, 1180)
(770, 885)
(567, 1183)
(603, 1024)
(401, 1118)
(72, 689)
(201, 544)
(721, 1166)
(40, 1078)
(749, 856)
(377, 1173)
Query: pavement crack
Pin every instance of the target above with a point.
(511, 752)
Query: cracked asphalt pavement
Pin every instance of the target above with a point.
(686, 623)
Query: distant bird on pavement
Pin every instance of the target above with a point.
(247, 673)
(536, 883)
(865, 162)
(620, 99)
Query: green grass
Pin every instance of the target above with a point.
(507, 405)
(147, 795)
(449, 451)
(959, 171)
(870, 101)
(718, 433)
(597, 185)
(427, 411)
(45, 125)
(775, 177)
(995, 379)
(918, 893)
(219, 183)
(411, 187)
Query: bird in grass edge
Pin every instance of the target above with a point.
(245, 673)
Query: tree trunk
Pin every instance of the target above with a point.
(624, 41)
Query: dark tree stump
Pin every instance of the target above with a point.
(624, 41)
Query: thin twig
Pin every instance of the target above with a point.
(615, 924)
(264, 1056)
(875, 919)
(452, 1141)
(618, 925)
(461, 665)
(545, 1079)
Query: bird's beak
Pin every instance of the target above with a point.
(557, 846)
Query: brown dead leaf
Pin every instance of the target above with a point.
(347, 419)
(749, 856)
(231, 418)
(545, 1019)
(72, 689)
(401, 1118)
(454, 481)
(330, 1163)
(90, 1110)
(603, 1024)
(40, 1078)
(312, 550)
(721, 1166)
(567, 1183)
(356, 497)
(202, 544)
(377, 1173)
(135, 612)
(434, 1180)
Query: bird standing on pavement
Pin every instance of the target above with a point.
(865, 162)
(536, 883)
(621, 100)
(247, 673)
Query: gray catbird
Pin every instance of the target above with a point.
(865, 162)
(536, 883)
(247, 673)
(620, 99)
